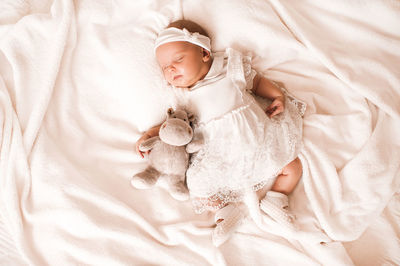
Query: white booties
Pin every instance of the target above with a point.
(227, 220)
(276, 204)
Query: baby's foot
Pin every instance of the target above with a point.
(276, 205)
(227, 219)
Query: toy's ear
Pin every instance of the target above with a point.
(170, 112)
(191, 117)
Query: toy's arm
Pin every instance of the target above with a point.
(194, 146)
(148, 144)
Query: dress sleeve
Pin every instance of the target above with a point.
(248, 71)
(239, 69)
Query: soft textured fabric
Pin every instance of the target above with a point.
(79, 84)
(243, 147)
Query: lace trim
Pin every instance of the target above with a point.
(301, 106)
(218, 201)
(249, 72)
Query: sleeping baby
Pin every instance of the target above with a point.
(247, 150)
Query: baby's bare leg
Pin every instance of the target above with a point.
(289, 177)
(276, 203)
(286, 181)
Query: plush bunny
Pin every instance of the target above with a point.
(169, 158)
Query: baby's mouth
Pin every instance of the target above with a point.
(177, 77)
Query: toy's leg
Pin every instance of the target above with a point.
(145, 179)
(177, 188)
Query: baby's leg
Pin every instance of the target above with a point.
(289, 177)
(275, 203)
(286, 181)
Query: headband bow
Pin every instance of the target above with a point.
(178, 35)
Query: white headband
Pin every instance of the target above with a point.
(177, 35)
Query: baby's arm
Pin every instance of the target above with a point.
(152, 132)
(265, 88)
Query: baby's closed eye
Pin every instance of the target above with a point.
(179, 59)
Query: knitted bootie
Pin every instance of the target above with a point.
(276, 204)
(227, 219)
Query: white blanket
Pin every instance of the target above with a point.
(79, 83)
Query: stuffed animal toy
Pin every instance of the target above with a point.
(169, 158)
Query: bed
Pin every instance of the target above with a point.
(79, 83)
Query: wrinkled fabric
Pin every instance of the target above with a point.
(80, 84)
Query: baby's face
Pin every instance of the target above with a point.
(183, 63)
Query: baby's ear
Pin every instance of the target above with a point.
(206, 55)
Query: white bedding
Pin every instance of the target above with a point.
(79, 83)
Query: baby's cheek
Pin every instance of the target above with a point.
(168, 77)
(182, 69)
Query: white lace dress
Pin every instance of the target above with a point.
(243, 148)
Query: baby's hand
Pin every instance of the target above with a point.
(276, 107)
(139, 141)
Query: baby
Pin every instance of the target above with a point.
(246, 149)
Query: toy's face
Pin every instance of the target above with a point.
(176, 130)
(180, 114)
